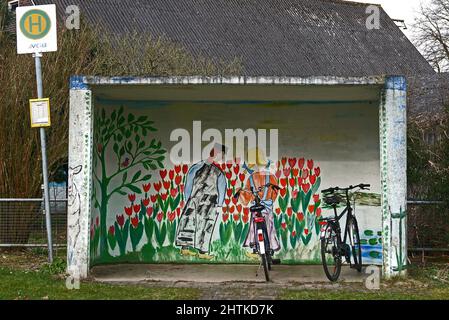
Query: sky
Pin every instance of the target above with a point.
(400, 9)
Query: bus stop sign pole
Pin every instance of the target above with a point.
(40, 95)
(36, 32)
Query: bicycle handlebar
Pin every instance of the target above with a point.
(362, 186)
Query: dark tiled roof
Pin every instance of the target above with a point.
(271, 37)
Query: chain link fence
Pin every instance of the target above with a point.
(22, 221)
(428, 228)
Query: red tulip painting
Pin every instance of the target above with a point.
(149, 198)
(300, 180)
(154, 214)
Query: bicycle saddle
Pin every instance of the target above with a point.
(332, 199)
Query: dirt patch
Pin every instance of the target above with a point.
(26, 258)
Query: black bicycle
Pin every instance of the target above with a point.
(333, 248)
(261, 245)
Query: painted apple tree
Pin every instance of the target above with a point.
(128, 138)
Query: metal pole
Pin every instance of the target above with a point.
(40, 95)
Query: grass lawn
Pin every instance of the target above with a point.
(19, 284)
(441, 293)
(25, 275)
(423, 283)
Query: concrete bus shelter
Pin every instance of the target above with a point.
(127, 198)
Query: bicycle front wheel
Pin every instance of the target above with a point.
(330, 254)
(356, 246)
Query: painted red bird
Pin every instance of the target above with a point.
(125, 163)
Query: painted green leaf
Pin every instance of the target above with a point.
(316, 186)
(172, 232)
(222, 231)
(290, 225)
(112, 241)
(136, 235)
(283, 202)
(244, 233)
(162, 235)
(136, 176)
(175, 202)
(130, 117)
(306, 239)
(130, 146)
(134, 188)
(238, 231)
(149, 227)
(284, 239)
(293, 241)
(306, 200)
(317, 227)
(299, 226)
(295, 204)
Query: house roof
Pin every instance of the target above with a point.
(271, 37)
(429, 94)
(276, 37)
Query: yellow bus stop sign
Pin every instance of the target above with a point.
(35, 24)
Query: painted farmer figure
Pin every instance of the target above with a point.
(260, 175)
(204, 192)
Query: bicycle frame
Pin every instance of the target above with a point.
(261, 244)
(336, 221)
(331, 234)
(259, 225)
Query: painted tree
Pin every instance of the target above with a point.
(126, 137)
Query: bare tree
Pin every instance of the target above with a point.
(432, 33)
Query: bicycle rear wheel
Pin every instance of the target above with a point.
(330, 254)
(267, 247)
(264, 258)
(356, 246)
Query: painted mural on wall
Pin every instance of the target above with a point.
(187, 213)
